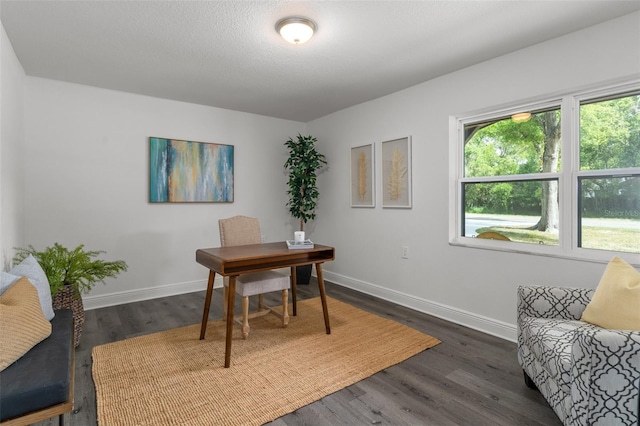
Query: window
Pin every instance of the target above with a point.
(609, 176)
(556, 178)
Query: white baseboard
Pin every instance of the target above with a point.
(128, 296)
(468, 319)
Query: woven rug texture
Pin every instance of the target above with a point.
(173, 378)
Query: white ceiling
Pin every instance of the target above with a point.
(227, 54)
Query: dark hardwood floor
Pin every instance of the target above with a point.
(470, 378)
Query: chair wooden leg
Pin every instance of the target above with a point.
(245, 317)
(285, 308)
(261, 305)
(294, 296)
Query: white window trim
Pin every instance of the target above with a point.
(567, 179)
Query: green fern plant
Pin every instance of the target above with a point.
(76, 268)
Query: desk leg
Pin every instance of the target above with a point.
(323, 297)
(207, 304)
(294, 281)
(230, 303)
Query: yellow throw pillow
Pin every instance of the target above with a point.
(616, 301)
(22, 323)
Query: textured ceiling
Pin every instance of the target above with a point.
(227, 54)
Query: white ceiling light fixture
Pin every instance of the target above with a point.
(296, 29)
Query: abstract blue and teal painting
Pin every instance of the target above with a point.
(190, 172)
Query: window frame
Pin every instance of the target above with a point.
(568, 201)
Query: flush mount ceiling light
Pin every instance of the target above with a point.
(296, 29)
(521, 117)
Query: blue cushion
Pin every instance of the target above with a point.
(42, 377)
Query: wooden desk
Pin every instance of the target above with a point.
(237, 260)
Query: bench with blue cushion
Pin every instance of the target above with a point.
(39, 385)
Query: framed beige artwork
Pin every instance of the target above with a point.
(363, 176)
(396, 173)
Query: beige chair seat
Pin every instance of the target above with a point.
(261, 282)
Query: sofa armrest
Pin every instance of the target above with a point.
(606, 371)
(552, 302)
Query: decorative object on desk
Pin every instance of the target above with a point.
(396, 173)
(152, 367)
(71, 273)
(303, 163)
(298, 236)
(299, 245)
(190, 172)
(363, 176)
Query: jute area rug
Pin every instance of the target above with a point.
(172, 377)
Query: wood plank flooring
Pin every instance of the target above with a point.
(471, 378)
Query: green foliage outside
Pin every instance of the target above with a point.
(505, 148)
(609, 138)
(610, 134)
(76, 267)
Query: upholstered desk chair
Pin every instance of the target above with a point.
(243, 230)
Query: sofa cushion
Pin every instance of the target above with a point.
(550, 341)
(42, 377)
(616, 302)
(23, 323)
(31, 269)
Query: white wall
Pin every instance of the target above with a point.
(87, 182)
(470, 286)
(12, 82)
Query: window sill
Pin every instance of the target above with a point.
(582, 255)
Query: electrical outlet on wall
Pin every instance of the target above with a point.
(405, 252)
(263, 238)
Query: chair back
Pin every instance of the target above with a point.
(239, 231)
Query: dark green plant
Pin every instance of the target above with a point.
(303, 162)
(75, 268)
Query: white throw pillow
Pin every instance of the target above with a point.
(6, 281)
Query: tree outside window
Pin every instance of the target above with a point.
(513, 170)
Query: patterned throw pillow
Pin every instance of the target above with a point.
(22, 321)
(31, 269)
(616, 301)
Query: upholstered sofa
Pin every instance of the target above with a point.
(36, 348)
(589, 375)
(39, 385)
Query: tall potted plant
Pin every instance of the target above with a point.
(70, 274)
(303, 163)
